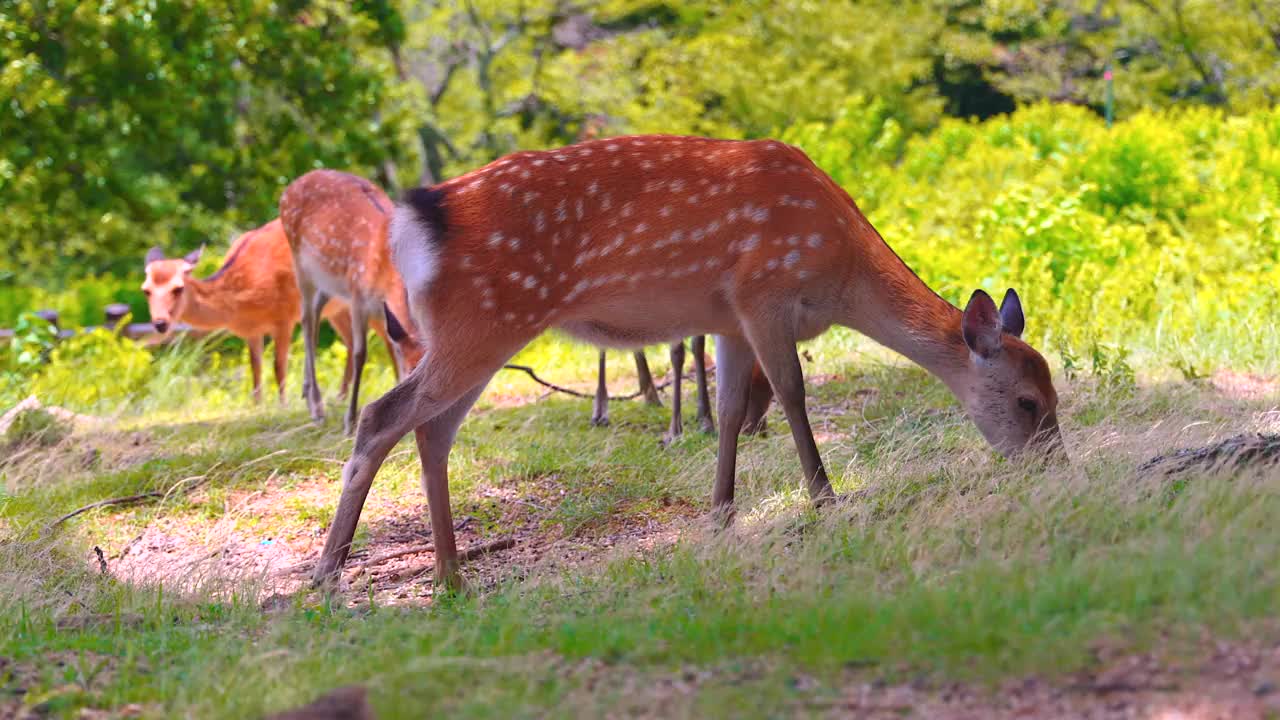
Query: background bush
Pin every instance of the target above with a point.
(971, 134)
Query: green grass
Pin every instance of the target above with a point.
(945, 562)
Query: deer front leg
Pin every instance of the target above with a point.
(435, 439)
(600, 405)
(677, 375)
(775, 348)
(255, 365)
(312, 301)
(734, 359)
(698, 346)
(645, 377)
(429, 390)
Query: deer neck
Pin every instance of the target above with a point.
(204, 307)
(887, 302)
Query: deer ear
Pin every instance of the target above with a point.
(193, 257)
(1011, 318)
(153, 255)
(394, 328)
(981, 325)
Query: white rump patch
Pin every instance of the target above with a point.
(413, 251)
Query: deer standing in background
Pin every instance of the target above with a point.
(754, 423)
(336, 225)
(649, 391)
(629, 241)
(253, 295)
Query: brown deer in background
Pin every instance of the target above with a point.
(253, 295)
(336, 225)
(629, 241)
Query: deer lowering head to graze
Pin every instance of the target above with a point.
(253, 295)
(629, 241)
(336, 225)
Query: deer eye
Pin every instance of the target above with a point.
(146, 292)
(1027, 404)
(177, 290)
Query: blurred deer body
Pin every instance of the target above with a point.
(626, 242)
(253, 295)
(336, 225)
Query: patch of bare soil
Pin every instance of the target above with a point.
(523, 518)
(274, 553)
(1245, 386)
(1221, 681)
(84, 673)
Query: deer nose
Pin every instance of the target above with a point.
(161, 325)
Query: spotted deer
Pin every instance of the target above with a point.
(629, 241)
(253, 295)
(336, 225)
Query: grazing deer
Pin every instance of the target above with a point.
(253, 295)
(628, 241)
(761, 393)
(600, 405)
(336, 224)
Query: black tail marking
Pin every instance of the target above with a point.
(429, 208)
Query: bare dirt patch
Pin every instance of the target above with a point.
(1245, 386)
(1219, 681)
(260, 541)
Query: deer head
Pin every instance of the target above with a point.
(165, 286)
(1010, 396)
(406, 347)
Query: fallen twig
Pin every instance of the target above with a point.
(569, 391)
(140, 497)
(379, 559)
(470, 553)
(130, 500)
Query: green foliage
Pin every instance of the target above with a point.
(96, 370)
(135, 123)
(32, 342)
(1158, 234)
(36, 426)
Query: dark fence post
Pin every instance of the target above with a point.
(50, 315)
(114, 313)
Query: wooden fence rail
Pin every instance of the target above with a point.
(112, 315)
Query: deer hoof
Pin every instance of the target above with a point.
(599, 421)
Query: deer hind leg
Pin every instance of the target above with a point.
(280, 347)
(432, 388)
(340, 321)
(645, 378)
(760, 397)
(381, 329)
(358, 352)
(312, 301)
(677, 375)
(600, 405)
(775, 348)
(255, 365)
(698, 346)
(734, 359)
(435, 440)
